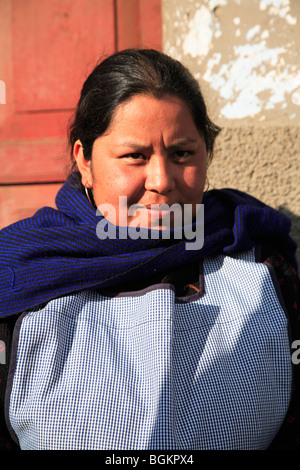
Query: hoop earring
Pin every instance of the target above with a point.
(87, 195)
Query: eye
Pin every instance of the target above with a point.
(135, 156)
(182, 154)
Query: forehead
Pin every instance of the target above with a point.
(146, 114)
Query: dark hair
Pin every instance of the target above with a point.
(128, 73)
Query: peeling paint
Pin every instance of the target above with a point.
(280, 8)
(212, 4)
(253, 32)
(258, 77)
(296, 97)
(243, 79)
(202, 29)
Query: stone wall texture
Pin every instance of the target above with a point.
(245, 54)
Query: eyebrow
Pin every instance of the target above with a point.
(182, 142)
(140, 146)
(132, 144)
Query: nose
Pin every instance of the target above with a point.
(159, 175)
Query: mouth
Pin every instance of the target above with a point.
(157, 216)
(156, 209)
(159, 210)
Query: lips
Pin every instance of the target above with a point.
(162, 214)
(156, 212)
(158, 206)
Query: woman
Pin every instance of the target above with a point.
(129, 334)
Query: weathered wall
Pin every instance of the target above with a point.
(245, 54)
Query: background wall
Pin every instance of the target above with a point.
(245, 54)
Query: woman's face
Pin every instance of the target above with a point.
(153, 154)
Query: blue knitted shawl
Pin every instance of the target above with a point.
(57, 252)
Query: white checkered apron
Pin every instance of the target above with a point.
(150, 371)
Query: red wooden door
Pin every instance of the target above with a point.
(47, 49)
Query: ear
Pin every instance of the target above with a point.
(84, 166)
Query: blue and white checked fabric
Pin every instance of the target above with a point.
(149, 371)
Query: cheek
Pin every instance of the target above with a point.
(195, 178)
(115, 182)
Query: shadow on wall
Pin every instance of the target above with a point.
(295, 230)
